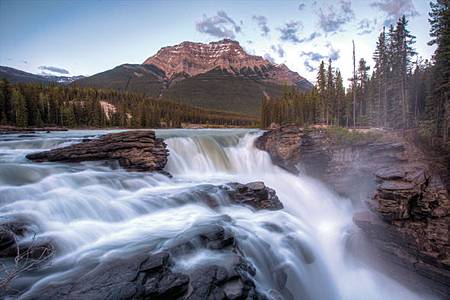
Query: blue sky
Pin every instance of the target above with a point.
(86, 37)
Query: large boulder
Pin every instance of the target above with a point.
(254, 194)
(134, 150)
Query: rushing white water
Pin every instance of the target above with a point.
(93, 212)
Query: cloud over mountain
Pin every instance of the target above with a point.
(289, 31)
(221, 25)
(262, 24)
(309, 67)
(269, 57)
(278, 50)
(54, 69)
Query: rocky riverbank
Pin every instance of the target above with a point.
(14, 130)
(405, 205)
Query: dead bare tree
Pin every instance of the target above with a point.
(27, 258)
(354, 85)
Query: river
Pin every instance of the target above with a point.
(93, 211)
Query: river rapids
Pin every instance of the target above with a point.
(94, 211)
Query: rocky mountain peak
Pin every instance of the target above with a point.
(190, 58)
(195, 58)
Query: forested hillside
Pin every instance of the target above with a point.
(38, 105)
(401, 92)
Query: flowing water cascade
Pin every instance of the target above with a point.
(94, 211)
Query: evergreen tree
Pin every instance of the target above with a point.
(362, 82)
(405, 54)
(5, 102)
(340, 98)
(439, 110)
(381, 78)
(20, 109)
(321, 90)
(330, 101)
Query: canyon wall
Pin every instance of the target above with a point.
(402, 205)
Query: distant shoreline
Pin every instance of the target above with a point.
(6, 129)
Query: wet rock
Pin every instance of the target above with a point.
(19, 243)
(11, 231)
(114, 279)
(155, 263)
(216, 282)
(254, 194)
(390, 173)
(283, 146)
(167, 286)
(137, 151)
(410, 223)
(419, 246)
(208, 236)
(156, 276)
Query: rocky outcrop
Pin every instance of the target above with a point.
(137, 151)
(409, 217)
(254, 194)
(409, 223)
(155, 275)
(409, 192)
(326, 156)
(283, 145)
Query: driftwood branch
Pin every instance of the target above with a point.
(24, 261)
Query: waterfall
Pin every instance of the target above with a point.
(93, 211)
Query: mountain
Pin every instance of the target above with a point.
(145, 79)
(18, 76)
(192, 59)
(219, 75)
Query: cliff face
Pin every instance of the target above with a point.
(405, 207)
(195, 58)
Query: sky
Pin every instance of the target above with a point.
(86, 37)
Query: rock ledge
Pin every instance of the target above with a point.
(138, 151)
